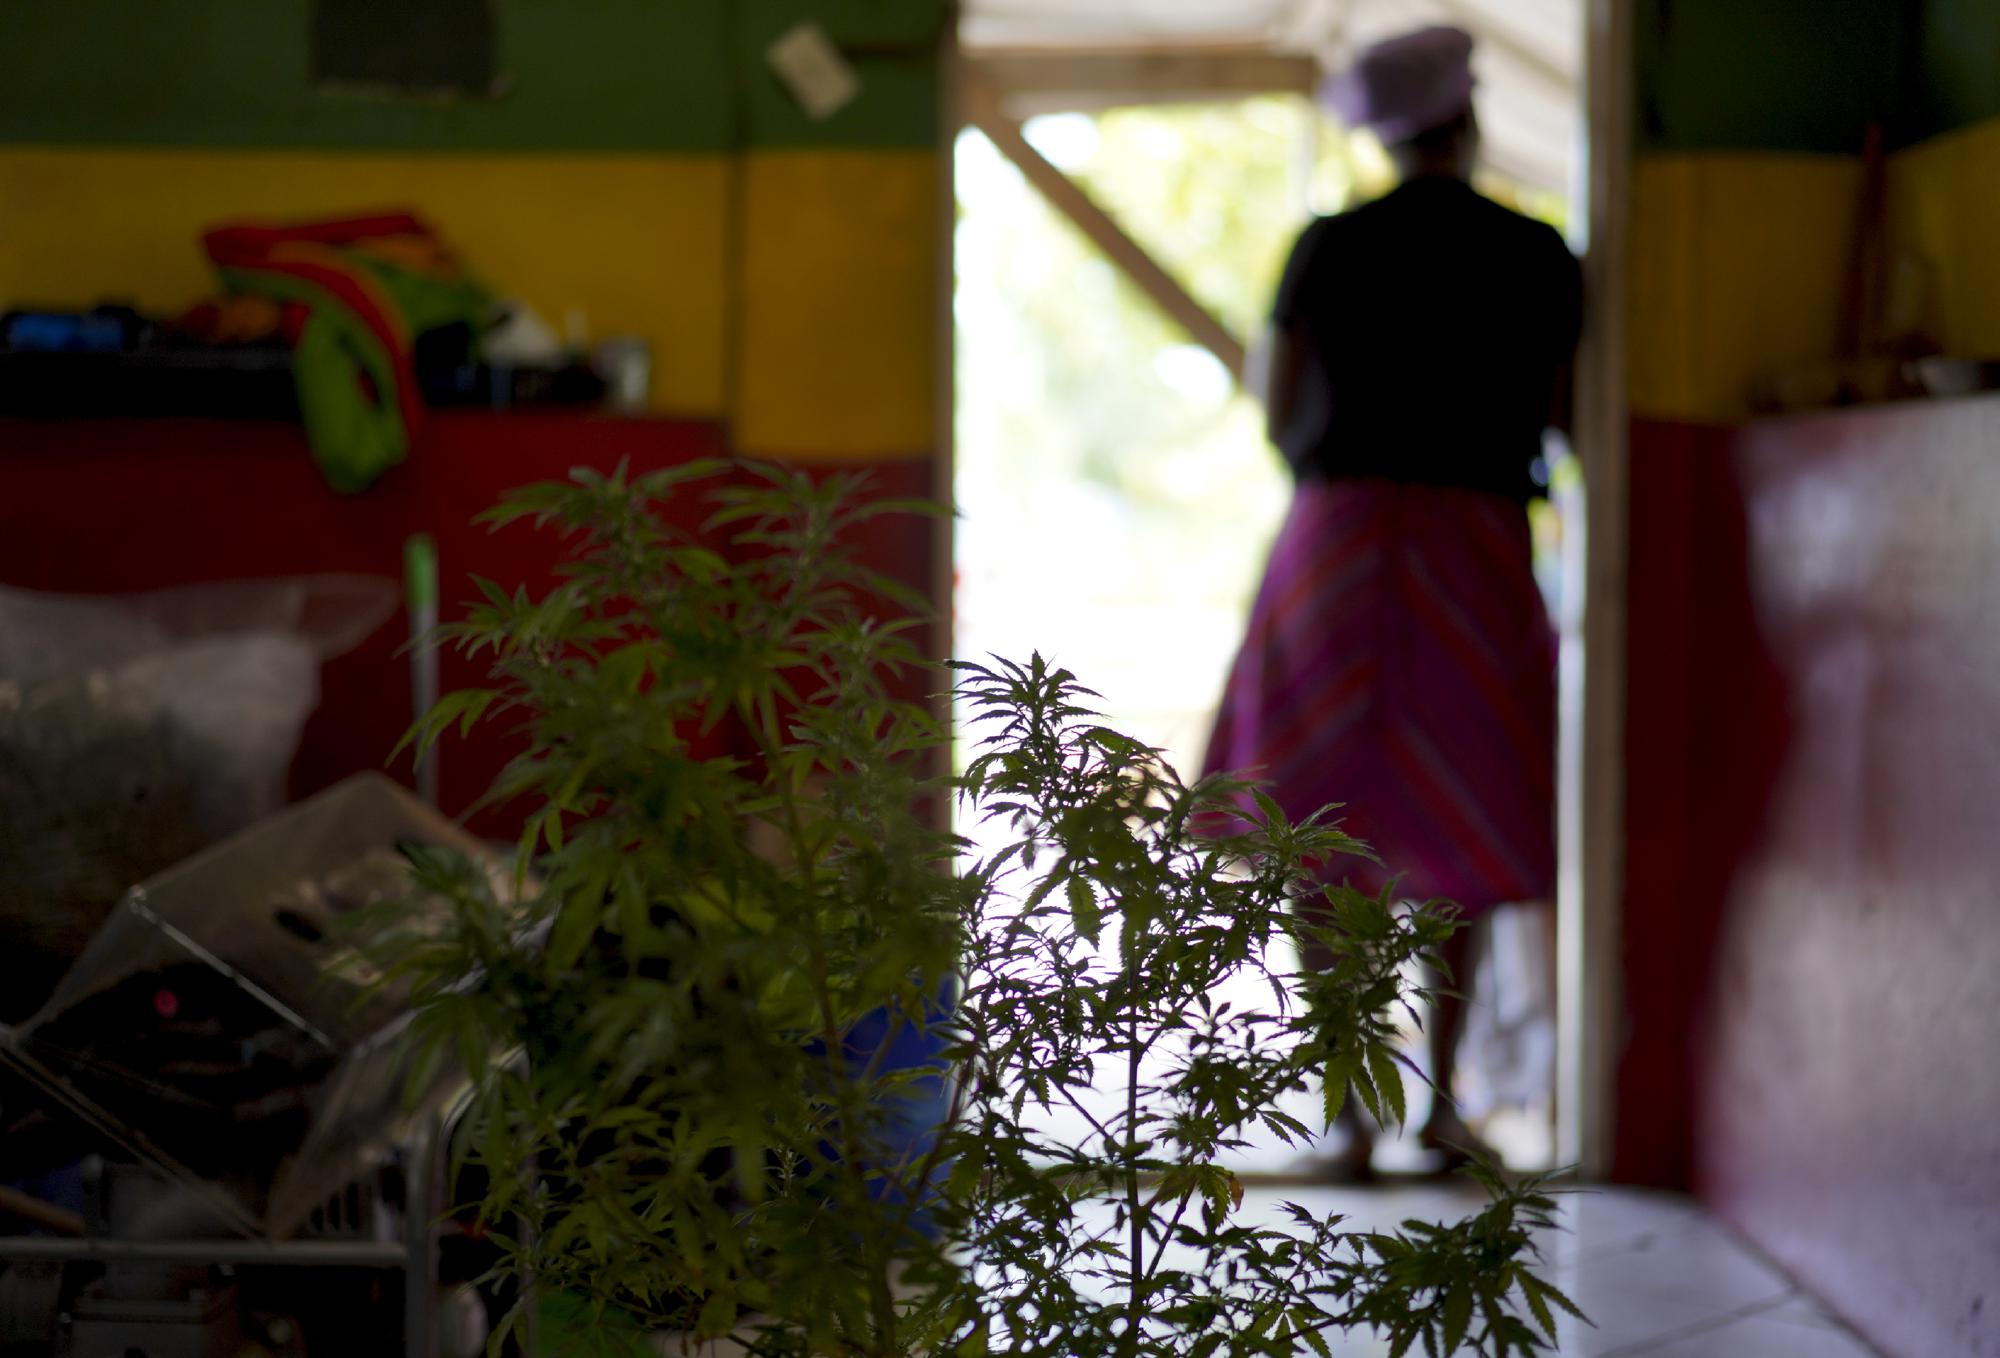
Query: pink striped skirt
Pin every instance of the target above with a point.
(1399, 661)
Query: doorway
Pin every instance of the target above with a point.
(1116, 490)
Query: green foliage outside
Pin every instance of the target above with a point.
(692, 1136)
(1213, 191)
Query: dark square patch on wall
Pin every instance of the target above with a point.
(414, 47)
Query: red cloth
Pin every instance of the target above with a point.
(1398, 660)
(311, 253)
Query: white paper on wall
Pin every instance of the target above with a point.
(813, 69)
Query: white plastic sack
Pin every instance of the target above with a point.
(137, 730)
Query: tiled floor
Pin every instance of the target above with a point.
(1657, 1276)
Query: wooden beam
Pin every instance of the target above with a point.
(983, 111)
(1098, 77)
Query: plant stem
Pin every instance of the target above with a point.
(1180, 1212)
(1135, 1263)
(763, 727)
(914, 1194)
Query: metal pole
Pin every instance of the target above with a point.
(420, 585)
(423, 1205)
(296, 1253)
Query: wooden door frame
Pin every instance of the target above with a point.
(1591, 758)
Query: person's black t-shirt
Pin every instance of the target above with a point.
(1437, 323)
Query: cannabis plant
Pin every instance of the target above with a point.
(774, 1054)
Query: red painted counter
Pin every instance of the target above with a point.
(109, 506)
(116, 505)
(1812, 913)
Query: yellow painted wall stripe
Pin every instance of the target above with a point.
(837, 336)
(1737, 262)
(1945, 207)
(635, 243)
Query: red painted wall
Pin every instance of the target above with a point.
(1813, 895)
(108, 506)
(1706, 728)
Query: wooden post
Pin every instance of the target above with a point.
(1590, 895)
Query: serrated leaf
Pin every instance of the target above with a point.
(1558, 1296)
(574, 928)
(1457, 1315)
(1540, 1308)
(1084, 911)
(1334, 1084)
(1388, 1080)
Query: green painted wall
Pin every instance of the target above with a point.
(1765, 75)
(893, 45)
(1810, 75)
(586, 75)
(1953, 75)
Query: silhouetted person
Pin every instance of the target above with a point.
(1399, 658)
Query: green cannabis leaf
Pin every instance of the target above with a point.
(773, 1053)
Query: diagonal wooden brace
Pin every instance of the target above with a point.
(983, 111)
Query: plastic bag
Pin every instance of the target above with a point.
(137, 730)
(274, 1076)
